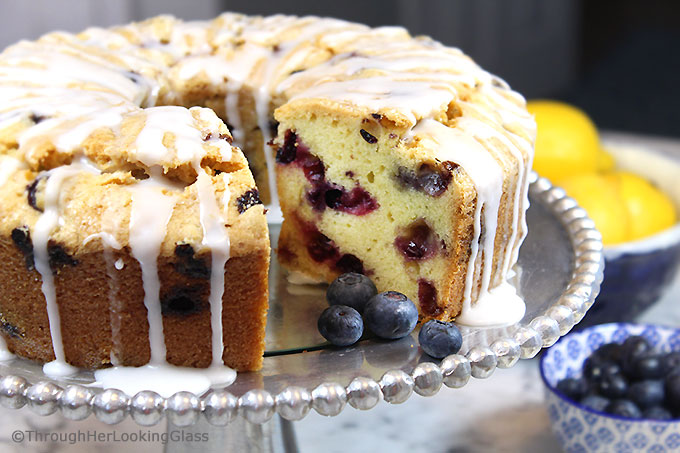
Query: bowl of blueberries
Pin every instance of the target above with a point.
(615, 387)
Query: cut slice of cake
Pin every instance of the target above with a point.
(434, 211)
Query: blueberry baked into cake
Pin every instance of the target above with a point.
(131, 226)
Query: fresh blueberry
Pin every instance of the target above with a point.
(390, 315)
(573, 388)
(646, 366)
(624, 408)
(439, 339)
(596, 402)
(351, 289)
(614, 386)
(634, 347)
(647, 393)
(673, 372)
(672, 385)
(670, 361)
(594, 369)
(610, 352)
(341, 325)
(657, 413)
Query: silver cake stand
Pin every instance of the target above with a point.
(558, 275)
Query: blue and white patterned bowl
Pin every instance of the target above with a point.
(581, 429)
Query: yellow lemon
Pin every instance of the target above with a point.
(566, 142)
(598, 194)
(649, 209)
(605, 161)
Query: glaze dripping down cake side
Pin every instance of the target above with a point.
(132, 229)
(138, 254)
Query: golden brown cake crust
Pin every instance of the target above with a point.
(84, 293)
(98, 284)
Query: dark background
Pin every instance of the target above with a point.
(629, 65)
(618, 60)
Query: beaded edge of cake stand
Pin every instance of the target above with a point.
(219, 407)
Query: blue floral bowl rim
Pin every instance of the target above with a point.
(578, 405)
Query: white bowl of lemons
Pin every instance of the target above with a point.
(632, 193)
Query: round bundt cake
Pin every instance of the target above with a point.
(131, 227)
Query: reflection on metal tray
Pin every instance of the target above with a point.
(559, 274)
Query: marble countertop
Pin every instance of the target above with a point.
(504, 413)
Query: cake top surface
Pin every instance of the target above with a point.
(99, 94)
(101, 75)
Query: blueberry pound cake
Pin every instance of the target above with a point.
(135, 246)
(135, 161)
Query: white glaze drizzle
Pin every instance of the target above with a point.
(151, 210)
(216, 239)
(231, 108)
(115, 304)
(8, 166)
(110, 222)
(108, 239)
(40, 235)
(67, 66)
(5, 355)
(148, 226)
(499, 306)
(164, 379)
(459, 145)
(483, 130)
